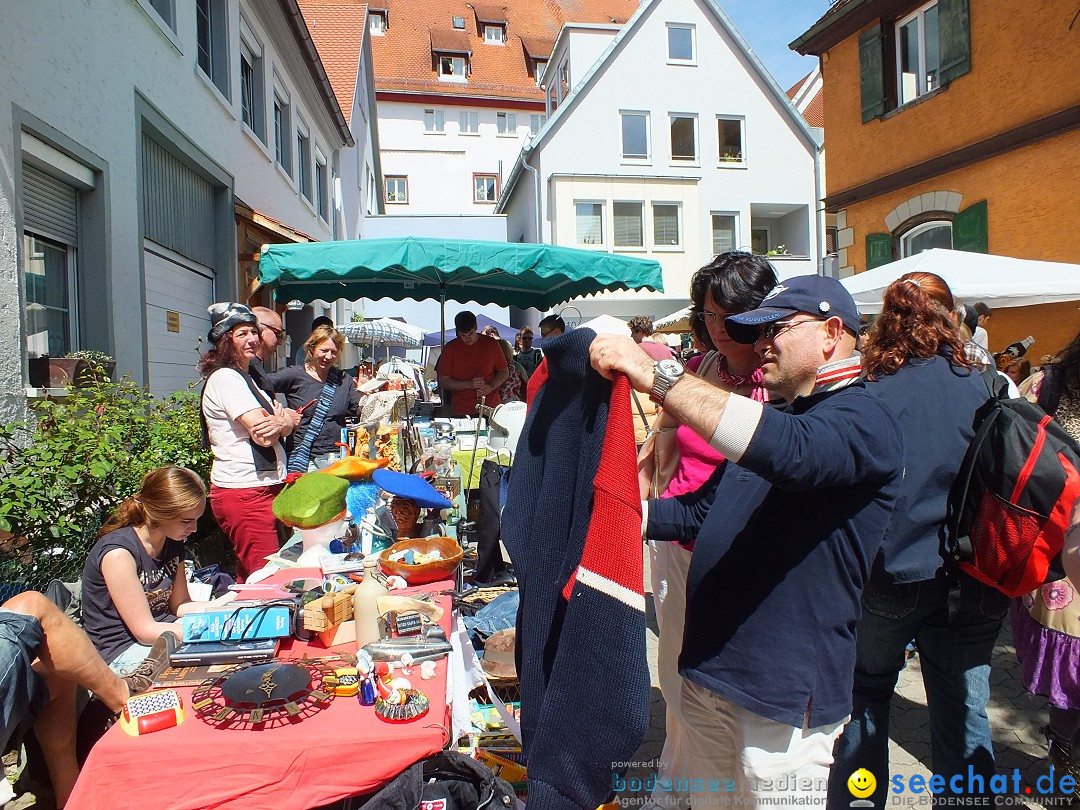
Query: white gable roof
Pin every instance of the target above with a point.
(798, 124)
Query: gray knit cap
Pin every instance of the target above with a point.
(224, 316)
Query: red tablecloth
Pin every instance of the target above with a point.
(342, 751)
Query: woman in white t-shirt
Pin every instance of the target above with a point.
(244, 427)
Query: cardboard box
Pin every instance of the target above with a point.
(344, 633)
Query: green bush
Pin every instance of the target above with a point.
(61, 475)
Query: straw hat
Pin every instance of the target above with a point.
(498, 660)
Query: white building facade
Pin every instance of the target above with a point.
(132, 134)
(674, 144)
(449, 155)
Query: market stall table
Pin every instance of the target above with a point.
(344, 750)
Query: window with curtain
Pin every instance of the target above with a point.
(506, 123)
(434, 121)
(589, 217)
(628, 228)
(665, 224)
(469, 122)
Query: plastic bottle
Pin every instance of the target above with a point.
(365, 604)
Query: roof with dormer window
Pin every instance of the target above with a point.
(402, 56)
(450, 41)
(494, 15)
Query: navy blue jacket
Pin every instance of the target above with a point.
(785, 541)
(934, 403)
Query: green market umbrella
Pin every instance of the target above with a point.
(502, 273)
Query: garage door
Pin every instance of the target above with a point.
(178, 291)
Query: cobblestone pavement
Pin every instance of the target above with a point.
(1016, 719)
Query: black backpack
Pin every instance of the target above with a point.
(1014, 495)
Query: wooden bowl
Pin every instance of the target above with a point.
(427, 572)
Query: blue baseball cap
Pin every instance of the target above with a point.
(816, 295)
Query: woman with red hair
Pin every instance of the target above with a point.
(914, 360)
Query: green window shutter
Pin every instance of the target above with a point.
(878, 249)
(871, 73)
(970, 231)
(954, 39)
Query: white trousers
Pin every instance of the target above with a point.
(669, 563)
(735, 752)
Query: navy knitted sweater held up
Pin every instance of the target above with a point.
(572, 525)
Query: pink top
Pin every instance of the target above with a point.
(697, 460)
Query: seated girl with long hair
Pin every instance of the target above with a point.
(134, 586)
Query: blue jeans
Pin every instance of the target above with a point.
(955, 624)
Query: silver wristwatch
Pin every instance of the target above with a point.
(665, 374)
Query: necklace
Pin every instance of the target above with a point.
(751, 381)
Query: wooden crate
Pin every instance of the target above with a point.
(329, 611)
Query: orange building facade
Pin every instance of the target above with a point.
(955, 123)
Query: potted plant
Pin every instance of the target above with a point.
(74, 369)
(96, 366)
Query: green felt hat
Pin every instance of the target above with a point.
(313, 499)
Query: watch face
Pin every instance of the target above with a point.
(670, 368)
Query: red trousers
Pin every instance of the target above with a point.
(246, 518)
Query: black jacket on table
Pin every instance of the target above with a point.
(572, 525)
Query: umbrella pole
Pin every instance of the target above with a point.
(444, 404)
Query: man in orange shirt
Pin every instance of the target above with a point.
(472, 367)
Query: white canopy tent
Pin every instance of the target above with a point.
(607, 325)
(678, 321)
(998, 281)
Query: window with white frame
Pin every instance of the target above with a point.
(322, 187)
(665, 218)
(680, 43)
(629, 224)
(936, 234)
(917, 53)
(252, 93)
(506, 123)
(376, 22)
(303, 160)
(683, 137)
(723, 233)
(539, 66)
(434, 121)
(452, 69)
(536, 123)
(397, 188)
(370, 191)
(469, 122)
(212, 42)
(635, 135)
(729, 137)
(282, 127)
(165, 9)
(49, 278)
(589, 221)
(494, 34)
(485, 188)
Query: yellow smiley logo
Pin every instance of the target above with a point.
(861, 783)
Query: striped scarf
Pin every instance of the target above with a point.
(838, 373)
(301, 454)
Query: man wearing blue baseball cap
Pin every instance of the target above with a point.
(786, 531)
